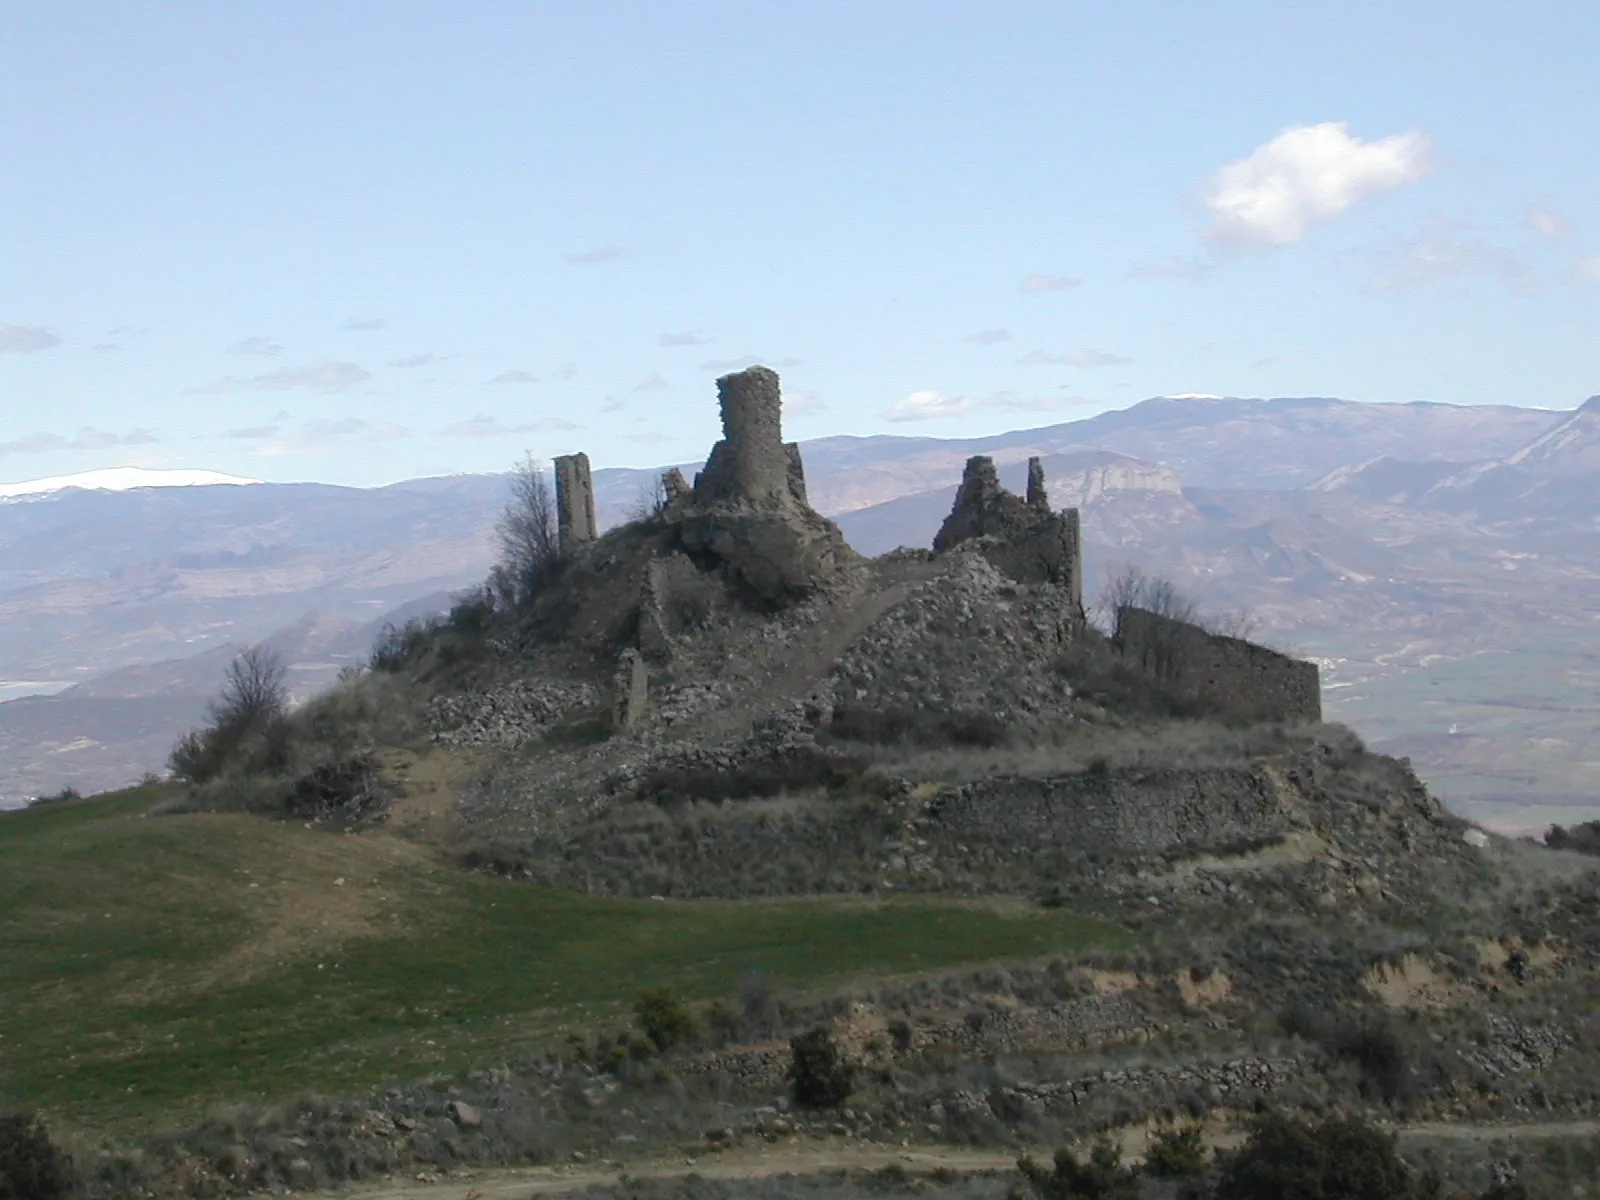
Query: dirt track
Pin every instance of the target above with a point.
(758, 1163)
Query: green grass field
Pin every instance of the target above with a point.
(153, 966)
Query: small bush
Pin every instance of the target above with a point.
(32, 1167)
(1340, 1159)
(1584, 838)
(917, 726)
(1373, 1041)
(819, 1074)
(247, 722)
(65, 796)
(1176, 1154)
(348, 790)
(1101, 1176)
(664, 1017)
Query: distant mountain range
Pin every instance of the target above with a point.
(1440, 559)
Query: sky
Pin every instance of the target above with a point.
(359, 242)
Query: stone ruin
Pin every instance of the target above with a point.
(747, 513)
(1230, 674)
(575, 519)
(1021, 536)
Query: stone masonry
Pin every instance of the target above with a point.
(575, 519)
(1229, 673)
(1024, 539)
(750, 464)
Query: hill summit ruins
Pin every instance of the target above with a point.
(743, 539)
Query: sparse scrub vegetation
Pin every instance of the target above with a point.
(32, 1165)
(916, 727)
(1177, 1154)
(1102, 1175)
(1584, 838)
(819, 1073)
(247, 723)
(663, 1016)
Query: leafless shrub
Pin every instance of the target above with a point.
(247, 719)
(530, 545)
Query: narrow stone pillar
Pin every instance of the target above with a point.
(633, 689)
(574, 502)
(797, 473)
(1072, 541)
(754, 464)
(1037, 497)
(674, 489)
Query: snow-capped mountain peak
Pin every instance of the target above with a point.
(118, 479)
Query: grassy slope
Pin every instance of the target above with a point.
(154, 965)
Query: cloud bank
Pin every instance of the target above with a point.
(932, 405)
(87, 438)
(25, 339)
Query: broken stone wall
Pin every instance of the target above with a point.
(1229, 673)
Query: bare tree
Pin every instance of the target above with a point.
(1132, 588)
(530, 542)
(253, 691)
(251, 711)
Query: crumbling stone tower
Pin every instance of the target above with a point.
(575, 519)
(1023, 538)
(751, 464)
(748, 511)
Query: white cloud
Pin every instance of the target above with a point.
(257, 345)
(1170, 267)
(652, 382)
(1546, 223)
(988, 337)
(684, 337)
(323, 376)
(253, 432)
(25, 339)
(931, 405)
(798, 402)
(1082, 357)
(610, 252)
(1440, 252)
(513, 377)
(317, 436)
(1034, 284)
(650, 439)
(413, 360)
(483, 426)
(365, 324)
(1307, 174)
(220, 386)
(1590, 267)
(87, 438)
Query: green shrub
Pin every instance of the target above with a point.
(1340, 1159)
(1584, 838)
(664, 1017)
(1176, 1154)
(32, 1167)
(1102, 1176)
(819, 1074)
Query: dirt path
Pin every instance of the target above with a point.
(805, 1159)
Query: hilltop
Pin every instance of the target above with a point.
(1033, 879)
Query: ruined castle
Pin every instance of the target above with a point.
(745, 521)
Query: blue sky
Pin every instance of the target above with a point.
(360, 241)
